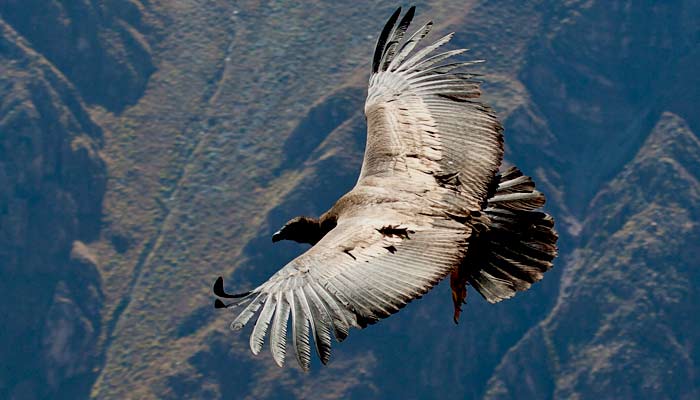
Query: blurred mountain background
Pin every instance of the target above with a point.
(149, 146)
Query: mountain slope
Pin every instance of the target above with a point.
(52, 181)
(623, 325)
(189, 130)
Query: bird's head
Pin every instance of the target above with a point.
(299, 229)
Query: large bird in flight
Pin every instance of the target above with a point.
(430, 202)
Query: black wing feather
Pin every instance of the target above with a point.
(383, 37)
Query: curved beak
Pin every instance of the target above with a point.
(277, 236)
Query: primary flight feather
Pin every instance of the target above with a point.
(429, 203)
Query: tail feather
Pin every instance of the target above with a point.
(524, 201)
(517, 247)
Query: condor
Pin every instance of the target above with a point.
(429, 203)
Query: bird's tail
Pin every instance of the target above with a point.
(514, 247)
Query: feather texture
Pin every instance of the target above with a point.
(428, 173)
(278, 336)
(257, 338)
(519, 246)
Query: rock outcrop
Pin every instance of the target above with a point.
(624, 325)
(99, 46)
(52, 180)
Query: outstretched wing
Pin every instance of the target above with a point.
(423, 117)
(432, 151)
(368, 267)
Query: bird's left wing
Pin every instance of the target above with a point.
(424, 119)
(368, 267)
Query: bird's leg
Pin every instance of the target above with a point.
(458, 284)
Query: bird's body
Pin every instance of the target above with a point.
(429, 203)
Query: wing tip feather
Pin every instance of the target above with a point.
(382, 40)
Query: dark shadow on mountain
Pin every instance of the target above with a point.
(99, 46)
(319, 122)
(52, 182)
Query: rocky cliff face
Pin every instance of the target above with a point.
(600, 76)
(52, 181)
(99, 46)
(623, 325)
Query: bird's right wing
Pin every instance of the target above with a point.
(423, 118)
(369, 266)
